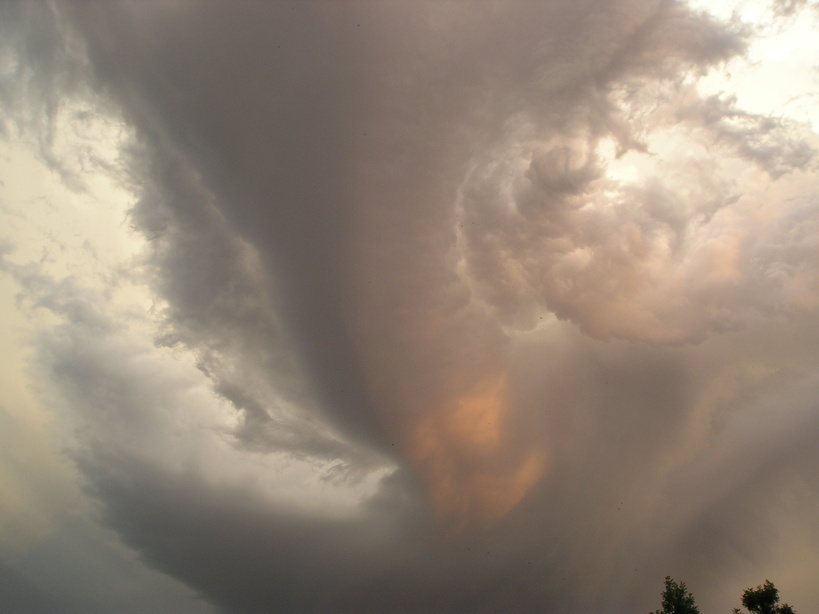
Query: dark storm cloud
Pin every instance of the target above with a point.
(219, 304)
(340, 164)
(362, 218)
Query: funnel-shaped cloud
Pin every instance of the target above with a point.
(436, 306)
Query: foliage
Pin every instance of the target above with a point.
(764, 599)
(677, 599)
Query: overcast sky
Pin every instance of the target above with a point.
(402, 306)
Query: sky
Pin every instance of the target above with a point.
(407, 306)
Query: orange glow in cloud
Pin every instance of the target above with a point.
(465, 458)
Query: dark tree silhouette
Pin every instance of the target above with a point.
(677, 599)
(764, 599)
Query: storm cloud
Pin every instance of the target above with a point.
(436, 307)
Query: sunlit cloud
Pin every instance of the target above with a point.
(464, 451)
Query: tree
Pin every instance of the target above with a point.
(764, 599)
(677, 599)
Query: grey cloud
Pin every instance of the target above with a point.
(778, 146)
(362, 219)
(19, 594)
(787, 8)
(666, 260)
(44, 63)
(705, 504)
(220, 304)
(249, 558)
(131, 441)
(242, 553)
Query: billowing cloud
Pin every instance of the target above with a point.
(414, 307)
